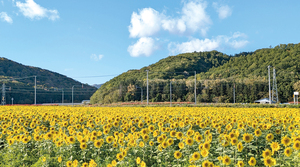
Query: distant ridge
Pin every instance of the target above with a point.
(49, 84)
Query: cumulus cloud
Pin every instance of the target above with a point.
(145, 46)
(32, 10)
(5, 17)
(236, 41)
(96, 57)
(146, 23)
(224, 11)
(193, 18)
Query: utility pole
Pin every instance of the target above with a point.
(274, 90)
(270, 102)
(147, 88)
(141, 93)
(170, 93)
(62, 100)
(34, 90)
(195, 88)
(73, 94)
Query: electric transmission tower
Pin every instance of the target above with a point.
(274, 90)
(3, 99)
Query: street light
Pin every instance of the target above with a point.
(141, 92)
(72, 93)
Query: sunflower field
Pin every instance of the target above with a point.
(148, 136)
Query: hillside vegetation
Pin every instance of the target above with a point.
(217, 73)
(19, 79)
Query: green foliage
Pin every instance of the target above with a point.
(216, 75)
(22, 90)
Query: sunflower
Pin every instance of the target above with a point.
(140, 124)
(275, 146)
(69, 163)
(114, 163)
(288, 151)
(85, 164)
(286, 141)
(226, 160)
(269, 137)
(252, 161)
(240, 147)
(83, 146)
(146, 137)
(164, 144)
(196, 156)
(177, 154)
(234, 141)
(173, 133)
(240, 164)
(190, 132)
(179, 135)
(198, 138)
(160, 139)
(170, 141)
(257, 132)
(204, 153)
(278, 131)
(206, 145)
(269, 161)
(138, 160)
(109, 139)
(189, 141)
(296, 145)
(141, 144)
(143, 164)
(97, 143)
(206, 163)
(225, 143)
(11, 141)
(181, 145)
(120, 156)
(266, 153)
(247, 137)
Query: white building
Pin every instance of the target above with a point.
(264, 101)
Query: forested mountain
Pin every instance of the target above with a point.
(180, 67)
(217, 74)
(19, 81)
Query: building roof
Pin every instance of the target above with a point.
(263, 100)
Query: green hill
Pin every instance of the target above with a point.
(19, 78)
(217, 73)
(180, 67)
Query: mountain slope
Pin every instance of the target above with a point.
(21, 84)
(285, 59)
(122, 87)
(217, 77)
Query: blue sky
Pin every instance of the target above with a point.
(93, 41)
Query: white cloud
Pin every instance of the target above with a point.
(146, 23)
(144, 46)
(194, 45)
(224, 11)
(5, 17)
(96, 57)
(32, 10)
(193, 19)
(235, 41)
